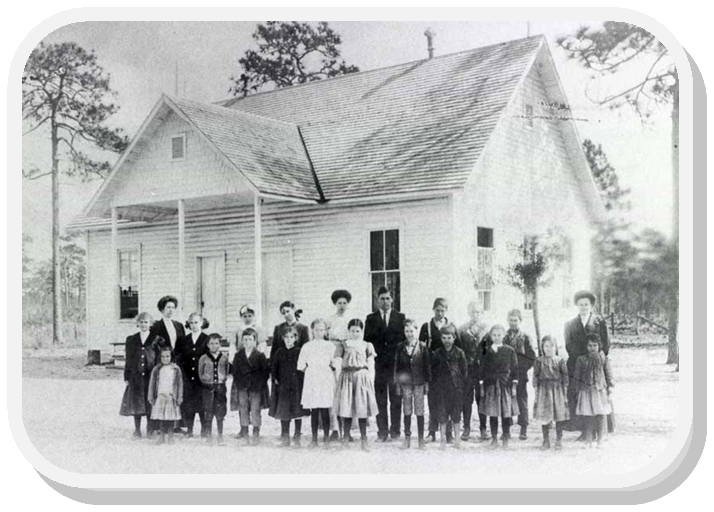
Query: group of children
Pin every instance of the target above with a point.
(333, 383)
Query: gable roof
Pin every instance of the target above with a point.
(410, 128)
(414, 127)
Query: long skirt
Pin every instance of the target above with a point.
(592, 402)
(165, 409)
(135, 401)
(355, 396)
(498, 402)
(550, 403)
(192, 397)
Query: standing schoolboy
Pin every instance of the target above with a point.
(287, 388)
(431, 335)
(213, 370)
(189, 350)
(550, 382)
(499, 371)
(384, 329)
(317, 362)
(249, 391)
(292, 317)
(412, 374)
(450, 378)
(141, 356)
(593, 376)
(521, 343)
(166, 394)
(470, 336)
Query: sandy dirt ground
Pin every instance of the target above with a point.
(71, 415)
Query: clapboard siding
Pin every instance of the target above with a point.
(525, 182)
(329, 246)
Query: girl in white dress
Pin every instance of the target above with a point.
(317, 360)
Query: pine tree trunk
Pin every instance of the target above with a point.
(673, 303)
(56, 289)
(536, 318)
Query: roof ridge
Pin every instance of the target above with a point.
(235, 100)
(231, 111)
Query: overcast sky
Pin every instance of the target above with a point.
(142, 56)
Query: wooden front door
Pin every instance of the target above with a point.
(211, 291)
(277, 285)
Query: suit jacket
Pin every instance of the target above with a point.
(450, 371)
(412, 368)
(188, 354)
(576, 340)
(213, 371)
(250, 373)
(384, 338)
(160, 330)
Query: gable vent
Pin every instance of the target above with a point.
(178, 147)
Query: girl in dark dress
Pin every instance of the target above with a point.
(189, 350)
(499, 370)
(291, 315)
(141, 356)
(287, 388)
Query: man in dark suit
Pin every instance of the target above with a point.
(385, 330)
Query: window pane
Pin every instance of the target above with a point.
(128, 302)
(394, 284)
(376, 250)
(377, 282)
(485, 237)
(392, 249)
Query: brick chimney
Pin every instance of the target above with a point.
(430, 35)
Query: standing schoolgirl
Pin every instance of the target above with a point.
(593, 376)
(412, 374)
(249, 391)
(189, 350)
(317, 362)
(287, 387)
(431, 335)
(355, 396)
(291, 316)
(213, 370)
(141, 355)
(337, 333)
(550, 382)
(499, 369)
(166, 395)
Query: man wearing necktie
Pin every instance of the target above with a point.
(384, 328)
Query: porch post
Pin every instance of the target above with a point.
(181, 256)
(115, 272)
(258, 259)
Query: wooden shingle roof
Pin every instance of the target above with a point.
(414, 127)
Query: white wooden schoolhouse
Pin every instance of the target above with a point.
(420, 176)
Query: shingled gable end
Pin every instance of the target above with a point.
(316, 178)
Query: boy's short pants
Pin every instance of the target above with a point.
(413, 400)
(449, 408)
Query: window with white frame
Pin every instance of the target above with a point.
(484, 267)
(178, 147)
(384, 264)
(128, 283)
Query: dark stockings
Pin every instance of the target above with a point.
(347, 423)
(505, 425)
(407, 426)
(137, 424)
(316, 416)
(285, 427)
